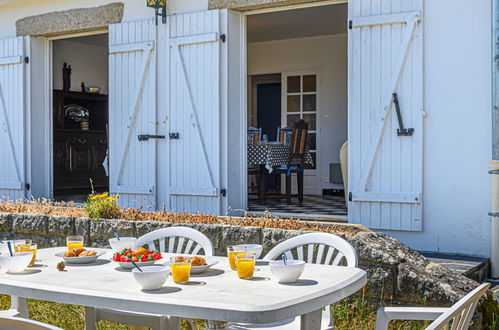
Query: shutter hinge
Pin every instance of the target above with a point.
(350, 196)
(223, 192)
(222, 37)
(350, 24)
(26, 59)
(27, 186)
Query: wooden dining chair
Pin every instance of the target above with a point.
(296, 159)
(181, 240)
(313, 248)
(456, 317)
(254, 135)
(284, 135)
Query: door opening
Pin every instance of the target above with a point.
(79, 116)
(307, 49)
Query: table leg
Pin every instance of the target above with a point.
(20, 304)
(174, 323)
(311, 321)
(216, 325)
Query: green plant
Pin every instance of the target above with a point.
(100, 206)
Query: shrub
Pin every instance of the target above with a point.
(100, 206)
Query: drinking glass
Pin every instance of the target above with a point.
(181, 269)
(74, 242)
(245, 265)
(232, 251)
(21, 244)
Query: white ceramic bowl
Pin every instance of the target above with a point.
(288, 273)
(122, 243)
(252, 248)
(151, 277)
(17, 263)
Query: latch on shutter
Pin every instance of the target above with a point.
(401, 131)
(145, 137)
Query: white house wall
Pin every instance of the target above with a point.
(457, 144)
(89, 64)
(328, 54)
(10, 11)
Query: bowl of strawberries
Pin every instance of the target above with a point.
(141, 256)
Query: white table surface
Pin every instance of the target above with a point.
(217, 295)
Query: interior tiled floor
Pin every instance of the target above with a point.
(325, 205)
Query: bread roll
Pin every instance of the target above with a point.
(70, 254)
(78, 251)
(87, 253)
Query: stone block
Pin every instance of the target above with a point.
(144, 227)
(104, 229)
(6, 222)
(61, 226)
(30, 224)
(233, 235)
(381, 281)
(70, 21)
(82, 227)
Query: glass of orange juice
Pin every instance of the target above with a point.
(245, 265)
(74, 242)
(181, 269)
(21, 244)
(232, 251)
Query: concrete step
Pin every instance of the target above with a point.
(477, 269)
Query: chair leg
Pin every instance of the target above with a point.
(264, 187)
(288, 189)
(277, 184)
(299, 177)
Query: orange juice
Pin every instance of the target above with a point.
(74, 245)
(181, 272)
(232, 258)
(245, 267)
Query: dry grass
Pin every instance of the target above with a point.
(47, 207)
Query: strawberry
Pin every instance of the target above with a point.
(61, 266)
(144, 259)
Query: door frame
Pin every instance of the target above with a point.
(48, 106)
(244, 87)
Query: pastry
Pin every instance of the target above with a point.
(198, 261)
(87, 253)
(78, 251)
(70, 254)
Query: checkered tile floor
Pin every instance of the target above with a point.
(326, 205)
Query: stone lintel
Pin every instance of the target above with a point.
(246, 5)
(71, 21)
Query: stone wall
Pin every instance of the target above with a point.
(397, 274)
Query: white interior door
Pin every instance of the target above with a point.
(132, 112)
(385, 167)
(12, 118)
(300, 100)
(194, 119)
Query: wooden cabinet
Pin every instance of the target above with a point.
(79, 154)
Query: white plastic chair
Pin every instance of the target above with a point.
(457, 317)
(313, 248)
(182, 240)
(15, 323)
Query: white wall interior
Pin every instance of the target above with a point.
(457, 146)
(88, 58)
(327, 53)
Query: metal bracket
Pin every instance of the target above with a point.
(401, 131)
(350, 196)
(27, 186)
(350, 24)
(174, 136)
(223, 37)
(26, 59)
(145, 137)
(223, 192)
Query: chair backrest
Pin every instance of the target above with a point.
(298, 145)
(183, 240)
(254, 135)
(284, 135)
(318, 248)
(14, 323)
(459, 315)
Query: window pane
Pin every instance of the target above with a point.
(310, 102)
(310, 118)
(312, 141)
(294, 84)
(294, 103)
(291, 119)
(309, 83)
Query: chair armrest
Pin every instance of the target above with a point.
(387, 314)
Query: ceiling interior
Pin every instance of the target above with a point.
(298, 23)
(98, 40)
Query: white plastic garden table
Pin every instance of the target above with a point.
(218, 295)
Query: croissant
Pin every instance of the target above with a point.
(78, 251)
(70, 254)
(87, 254)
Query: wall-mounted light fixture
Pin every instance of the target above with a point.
(157, 5)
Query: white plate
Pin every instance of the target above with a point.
(200, 269)
(80, 260)
(129, 265)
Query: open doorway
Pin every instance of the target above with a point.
(297, 70)
(79, 116)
